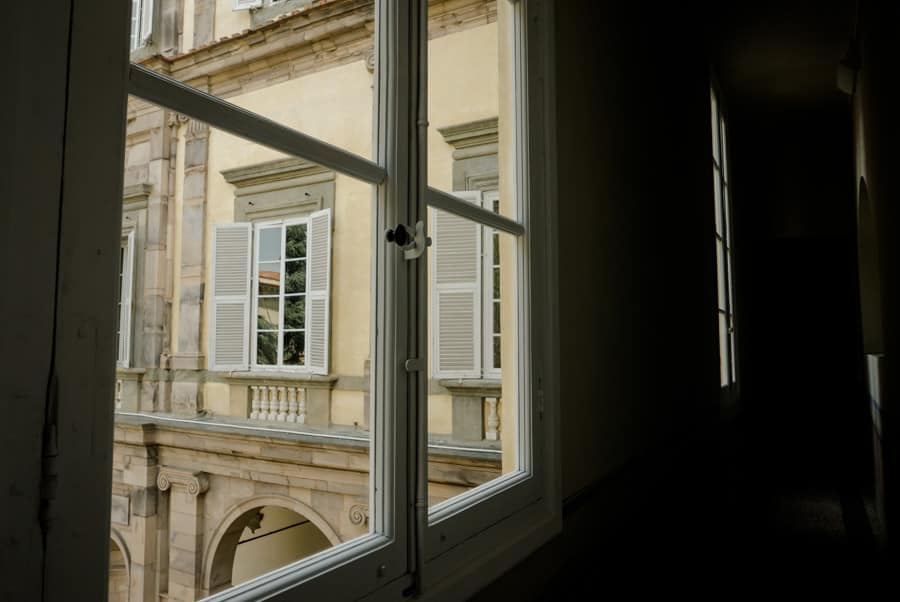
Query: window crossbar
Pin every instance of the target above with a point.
(452, 204)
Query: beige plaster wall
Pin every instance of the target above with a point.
(229, 21)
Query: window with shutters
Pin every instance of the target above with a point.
(465, 289)
(278, 320)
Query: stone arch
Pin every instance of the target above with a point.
(220, 550)
(119, 568)
(869, 272)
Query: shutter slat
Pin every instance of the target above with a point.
(456, 290)
(318, 309)
(230, 328)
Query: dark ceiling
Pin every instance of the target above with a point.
(781, 52)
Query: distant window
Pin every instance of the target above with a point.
(724, 243)
(141, 23)
(123, 315)
(288, 302)
(466, 292)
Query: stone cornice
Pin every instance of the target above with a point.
(471, 134)
(195, 482)
(273, 171)
(136, 195)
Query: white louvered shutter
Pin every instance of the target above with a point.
(146, 22)
(245, 4)
(124, 354)
(231, 284)
(456, 293)
(317, 298)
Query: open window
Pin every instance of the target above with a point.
(255, 308)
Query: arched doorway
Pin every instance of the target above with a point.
(119, 583)
(262, 535)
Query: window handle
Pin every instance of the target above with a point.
(413, 242)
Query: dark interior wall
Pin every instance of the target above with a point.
(638, 348)
(797, 286)
(637, 266)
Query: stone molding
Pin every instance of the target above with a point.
(472, 139)
(196, 483)
(270, 172)
(280, 188)
(136, 196)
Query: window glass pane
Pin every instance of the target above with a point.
(267, 348)
(714, 124)
(723, 349)
(724, 149)
(270, 244)
(717, 196)
(306, 65)
(733, 353)
(295, 276)
(268, 313)
(294, 312)
(727, 226)
(269, 277)
(473, 406)
(720, 279)
(471, 103)
(295, 246)
(294, 348)
(279, 462)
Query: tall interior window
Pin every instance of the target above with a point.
(724, 263)
(321, 410)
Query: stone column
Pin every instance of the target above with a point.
(185, 530)
(187, 392)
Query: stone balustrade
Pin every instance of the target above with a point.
(285, 399)
(278, 403)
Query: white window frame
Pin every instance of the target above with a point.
(469, 540)
(278, 367)
(126, 301)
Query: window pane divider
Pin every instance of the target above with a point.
(167, 92)
(452, 204)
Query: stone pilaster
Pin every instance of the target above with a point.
(185, 489)
(187, 394)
